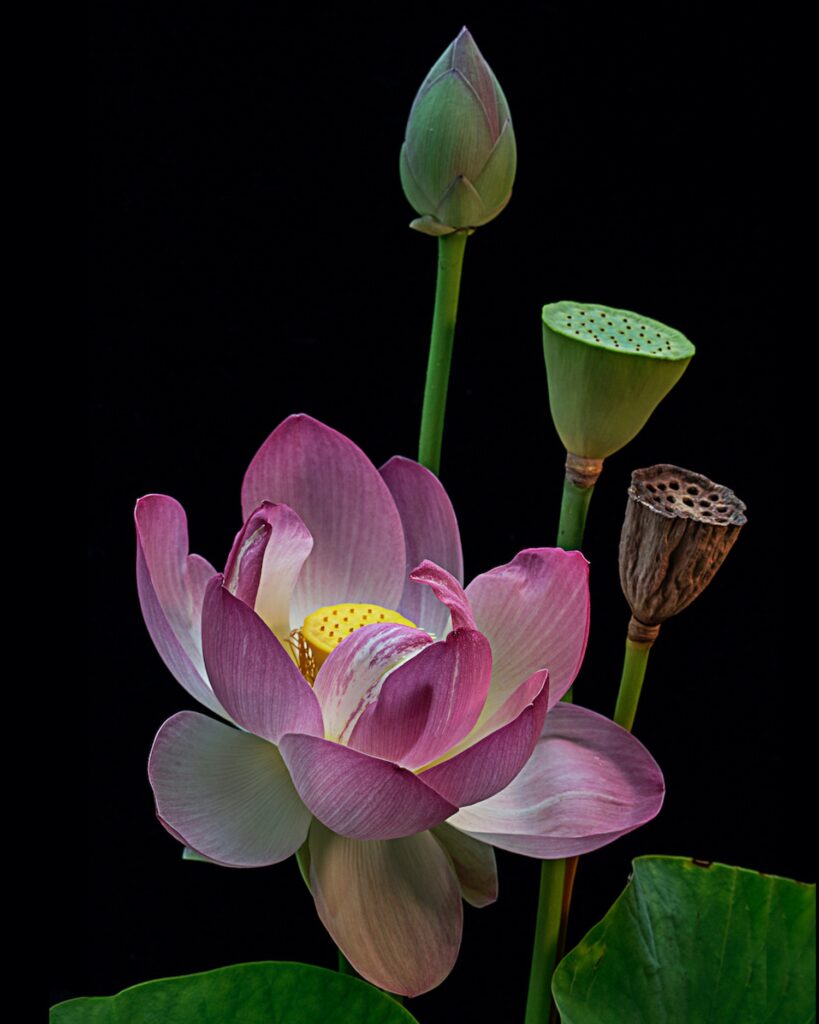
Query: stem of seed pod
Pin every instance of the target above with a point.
(638, 645)
(573, 510)
(450, 262)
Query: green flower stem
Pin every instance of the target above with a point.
(450, 262)
(573, 511)
(547, 933)
(556, 876)
(631, 683)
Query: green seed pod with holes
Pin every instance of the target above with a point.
(608, 370)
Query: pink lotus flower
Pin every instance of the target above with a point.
(390, 723)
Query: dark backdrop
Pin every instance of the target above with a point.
(250, 258)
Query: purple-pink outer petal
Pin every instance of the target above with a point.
(265, 562)
(393, 907)
(430, 532)
(251, 673)
(224, 793)
(474, 864)
(358, 552)
(535, 612)
(492, 763)
(587, 783)
(429, 703)
(351, 678)
(171, 585)
(359, 796)
(447, 590)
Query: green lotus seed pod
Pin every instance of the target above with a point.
(608, 370)
(458, 159)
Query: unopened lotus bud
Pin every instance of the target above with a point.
(679, 527)
(608, 369)
(458, 159)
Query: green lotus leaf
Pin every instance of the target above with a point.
(260, 993)
(696, 943)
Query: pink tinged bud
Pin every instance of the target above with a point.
(459, 157)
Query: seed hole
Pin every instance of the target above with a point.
(662, 487)
(688, 502)
(694, 491)
(674, 485)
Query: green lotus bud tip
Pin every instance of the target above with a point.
(608, 369)
(459, 157)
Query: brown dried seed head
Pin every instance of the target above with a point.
(679, 526)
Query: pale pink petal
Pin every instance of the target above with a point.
(428, 704)
(224, 793)
(535, 612)
(358, 552)
(474, 864)
(587, 783)
(447, 590)
(509, 710)
(359, 796)
(171, 585)
(392, 907)
(351, 677)
(251, 673)
(265, 562)
(430, 531)
(486, 767)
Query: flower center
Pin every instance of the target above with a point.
(325, 628)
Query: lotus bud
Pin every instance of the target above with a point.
(458, 159)
(679, 527)
(608, 370)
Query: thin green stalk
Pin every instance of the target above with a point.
(450, 262)
(631, 683)
(573, 510)
(547, 933)
(345, 967)
(555, 881)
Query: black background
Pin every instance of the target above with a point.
(250, 258)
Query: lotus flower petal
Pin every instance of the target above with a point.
(358, 552)
(587, 783)
(171, 585)
(535, 612)
(448, 590)
(359, 796)
(428, 704)
(430, 532)
(393, 907)
(251, 673)
(351, 677)
(474, 864)
(265, 562)
(489, 765)
(224, 793)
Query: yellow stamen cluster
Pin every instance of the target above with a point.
(325, 628)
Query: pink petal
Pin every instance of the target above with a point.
(535, 612)
(351, 677)
(224, 793)
(358, 552)
(474, 864)
(359, 796)
(171, 585)
(392, 907)
(428, 704)
(265, 562)
(448, 590)
(250, 671)
(486, 767)
(430, 531)
(587, 783)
